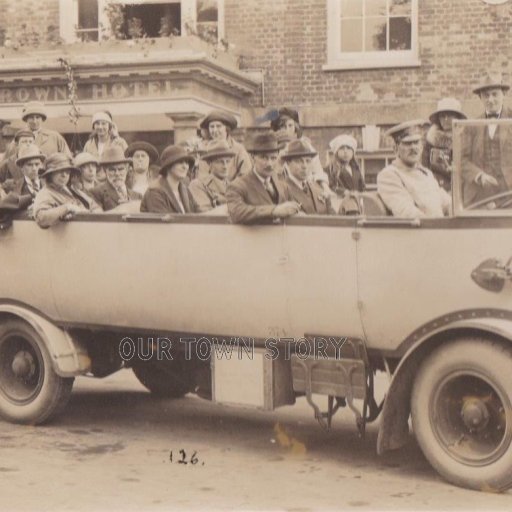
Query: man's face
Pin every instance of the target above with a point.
(492, 100)
(409, 152)
(140, 161)
(219, 167)
(116, 174)
(101, 175)
(34, 122)
(265, 163)
(298, 167)
(218, 130)
(31, 168)
(24, 142)
(88, 172)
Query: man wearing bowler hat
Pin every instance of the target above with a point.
(407, 188)
(48, 141)
(114, 191)
(209, 191)
(486, 150)
(260, 195)
(308, 194)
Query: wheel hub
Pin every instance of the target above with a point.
(23, 365)
(475, 414)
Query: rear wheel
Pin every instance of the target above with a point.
(30, 390)
(462, 413)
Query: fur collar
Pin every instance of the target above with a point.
(438, 138)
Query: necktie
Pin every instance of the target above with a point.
(36, 186)
(305, 188)
(270, 189)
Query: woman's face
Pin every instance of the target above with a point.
(140, 161)
(288, 126)
(345, 154)
(89, 172)
(179, 170)
(59, 178)
(445, 120)
(218, 130)
(101, 128)
(101, 175)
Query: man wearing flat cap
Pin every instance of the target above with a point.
(48, 141)
(407, 188)
(308, 194)
(486, 150)
(218, 126)
(260, 195)
(209, 191)
(114, 191)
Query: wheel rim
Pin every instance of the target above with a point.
(21, 369)
(468, 416)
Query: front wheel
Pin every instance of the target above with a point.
(462, 413)
(30, 390)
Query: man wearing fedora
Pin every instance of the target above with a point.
(260, 195)
(48, 141)
(30, 160)
(9, 171)
(437, 152)
(209, 191)
(144, 157)
(407, 188)
(218, 126)
(486, 150)
(114, 191)
(169, 193)
(308, 194)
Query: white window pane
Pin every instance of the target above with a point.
(376, 8)
(351, 35)
(400, 33)
(400, 8)
(376, 33)
(351, 8)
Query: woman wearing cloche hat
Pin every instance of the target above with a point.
(104, 134)
(56, 202)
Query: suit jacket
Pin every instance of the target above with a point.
(313, 201)
(50, 141)
(159, 198)
(208, 192)
(9, 170)
(108, 198)
(341, 180)
(249, 201)
(474, 159)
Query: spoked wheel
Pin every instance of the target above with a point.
(30, 391)
(462, 413)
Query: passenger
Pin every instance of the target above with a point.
(486, 150)
(169, 193)
(286, 120)
(260, 195)
(209, 191)
(88, 166)
(48, 141)
(30, 161)
(114, 191)
(144, 156)
(437, 153)
(307, 193)
(104, 135)
(218, 125)
(407, 188)
(9, 171)
(344, 172)
(56, 202)
(283, 139)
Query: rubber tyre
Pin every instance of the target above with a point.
(50, 392)
(165, 379)
(490, 361)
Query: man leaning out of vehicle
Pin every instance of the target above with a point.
(407, 188)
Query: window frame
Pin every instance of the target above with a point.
(339, 60)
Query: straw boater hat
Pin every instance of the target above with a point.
(114, 155)
(264, 143)
(172, 155)
(343, 140)
(148, 148)
(449, 105)
(83, 159)
(219, 115)
(34, 108)
(296, 149)
(409, 131)
(217, 149)
(491, 81)
(28, 153)
(58, 162)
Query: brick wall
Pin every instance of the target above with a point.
(458, 39)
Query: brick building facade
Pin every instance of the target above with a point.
(289, 55)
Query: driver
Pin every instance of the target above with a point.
(407, 188)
